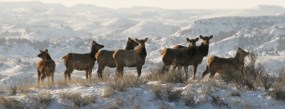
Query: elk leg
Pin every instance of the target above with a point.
(179, 68)
(174, 67)
(48, 78)
(100, 71)
(86, 74)
(195, 69)
(66, 74)
(90, 74)
(39, 76)
(165, 68)
(43, 76)
(69, 75)
(139, 71)
(120, 71)
(212, 73)
(205, 72)
(186, 72)
(52, 78)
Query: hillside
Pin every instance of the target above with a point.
(27, 27)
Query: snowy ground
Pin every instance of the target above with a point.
(27, 27)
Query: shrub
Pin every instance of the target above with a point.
(278, 91)
(122, 84)
(216, 100)
(44, 100)
(169, 77)
(174, 95)
(11, 103)
(235, 94)
(166, 93)
(77, 99)
(189, 100)
(13, 90)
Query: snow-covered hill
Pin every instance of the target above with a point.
(26, 27)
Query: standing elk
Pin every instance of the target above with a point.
(225, 66)
(81, 61)
(185, 57)
(193, 44)
(105, 58)
(46, 67)
(131, 58)
(171, 55)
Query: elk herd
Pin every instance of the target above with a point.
(134, 55)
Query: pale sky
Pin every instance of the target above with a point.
(170, 4)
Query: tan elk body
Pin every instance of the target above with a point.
(105, 58)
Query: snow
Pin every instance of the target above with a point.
(26, 27)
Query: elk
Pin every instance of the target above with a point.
(46, 67)
(185, 57)
(105, 58)
(193, 43)
(131, 58)
(81, 61)
(170, 55)
(225, 66)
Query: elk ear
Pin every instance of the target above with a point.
(211, 37)
(137, 40)
(197, 39)
(239, 48)
(145, 39)
(188, 39)
(201, 37)
(129, 39)
(46, 50)
(40, 50)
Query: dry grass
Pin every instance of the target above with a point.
(217, 101)
(11, 103)
(13, 90)
(127, 81)
(43, 100)
(278, 91)
(166, 92)
(108, 92)
(161, 91)
(168, 77)
(77, 100)
(189, 100)
(235, 94)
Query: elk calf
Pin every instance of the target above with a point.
(81, 61)
(46, 67)
(226, 66)
(131, 58)
(105, 58)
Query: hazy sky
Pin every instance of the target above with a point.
(170, 4)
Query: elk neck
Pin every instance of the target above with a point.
(204, 48)
(141, 50)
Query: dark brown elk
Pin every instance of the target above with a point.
(105, 58)
(46, 67)
(193, 44)
(131, 58)
(171, 55)
(81, 61)
(225, 66)
(185, 57)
